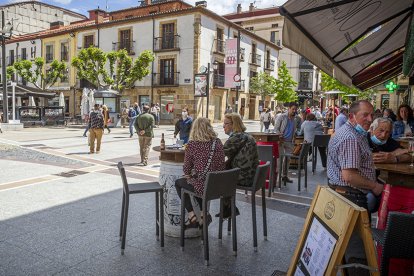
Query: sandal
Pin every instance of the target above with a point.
(193, 223)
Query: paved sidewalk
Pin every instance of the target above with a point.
(60, 211)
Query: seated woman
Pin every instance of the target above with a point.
(241, 152)
(404, 126)
(204, 153)
(309, 129)
(183, 126)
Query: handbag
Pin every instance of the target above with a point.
(210, 158)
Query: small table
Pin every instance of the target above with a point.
(404, 141)
(398, 195)
(171, 168)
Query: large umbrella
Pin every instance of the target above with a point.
(19, 101)
(62, 100)
(85, 109)
(32, 101)
(91, 98)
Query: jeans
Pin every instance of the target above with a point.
(86, 130)
(131, 126)
(182, 183)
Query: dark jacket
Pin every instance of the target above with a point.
(183, 127)
(145, 122)
(241, 151)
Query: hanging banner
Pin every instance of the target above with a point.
(231, 62)
(200, 85)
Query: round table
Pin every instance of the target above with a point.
(171, 168)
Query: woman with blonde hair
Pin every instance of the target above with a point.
(105, 113)
(204, 153)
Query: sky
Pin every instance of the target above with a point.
(218, 6)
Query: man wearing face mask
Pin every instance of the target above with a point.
(351, 169)
(384, 148)
(183, 126)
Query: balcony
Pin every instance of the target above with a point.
(129, 46)
(305, 85)
(167, 43)
(270, 65)
(220, 46)
(171, 79)
(218, 80)
(256, 59)
(278, 42)
(49, 57)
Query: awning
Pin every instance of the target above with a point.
(344, 37)
(26, 91)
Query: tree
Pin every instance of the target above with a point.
(122, 71)
(263, 84)
(34, 72)
(284, 85)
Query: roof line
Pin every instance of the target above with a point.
(41, 3)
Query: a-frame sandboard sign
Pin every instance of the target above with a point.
(328, 227)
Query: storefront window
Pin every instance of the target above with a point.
(109, 102)
(144, 100)
(167, 101)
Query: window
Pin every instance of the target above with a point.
(33, 52)
(11, 57)
(305, 80)
(219, 75)
(88, 40)
(65, 76)
(168, 32)
(267, 59)
(275, 25)
(220, 40)
(64, 51)
(49, 53)
(167, 72)
(274, 37)
(125, 40)
(23, 54)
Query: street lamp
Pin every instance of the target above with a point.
(6, 32)
(215, 67)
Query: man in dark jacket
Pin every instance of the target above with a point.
(144, 125)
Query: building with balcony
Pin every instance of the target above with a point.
(268, 23)
(185, 41)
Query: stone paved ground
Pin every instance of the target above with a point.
(60, 210)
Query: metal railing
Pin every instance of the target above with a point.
(242, 54)
(256, 59)
(218, 80)
(171, 79)
(220, 45)
(64, 56)
(127, 45)
(49, 57)
(270, 65)
(167, 42)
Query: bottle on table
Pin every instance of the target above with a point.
(162, 144)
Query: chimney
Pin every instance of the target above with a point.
(97, 15)
(56, 25)
(201, 3)
(251, 7)
(147, 2)
(239, 8)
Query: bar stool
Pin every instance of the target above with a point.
(140, 188)
(319, 141)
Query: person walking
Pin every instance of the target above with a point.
(133, 113)
(87, 125)
(241, 112)
(229, 109)
(96, 128)
(285, 126)
(266, 118)
(351, 170)
(144, 125)
(153, 112)
(183, 126)
(157, 115)
(309, 129)
(106, 118)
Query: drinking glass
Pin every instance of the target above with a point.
(411, 151)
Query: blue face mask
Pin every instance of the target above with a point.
(360, 130)
(377, 141)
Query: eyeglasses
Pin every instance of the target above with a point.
(228, 123)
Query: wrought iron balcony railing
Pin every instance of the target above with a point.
(256, 59)
(270, 65)
(167, 42)
(170, 79)
(127, 45)
(220, 46)
(218, 80)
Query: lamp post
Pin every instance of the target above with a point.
(215, 66)
(6, 31)
(13, 85)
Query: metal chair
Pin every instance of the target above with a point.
(265, 153)
(258, 184)
(140, 188)
(218, 185)
(397, 239)
(302, 157)
(319, 141)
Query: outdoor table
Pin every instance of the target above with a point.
(171, 168)
(263, 138)
(398, 195)
(404, 141)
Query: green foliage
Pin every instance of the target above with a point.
(122, 71)
(33, 72)
(328, 83)
(284, 85)
(263, 84)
